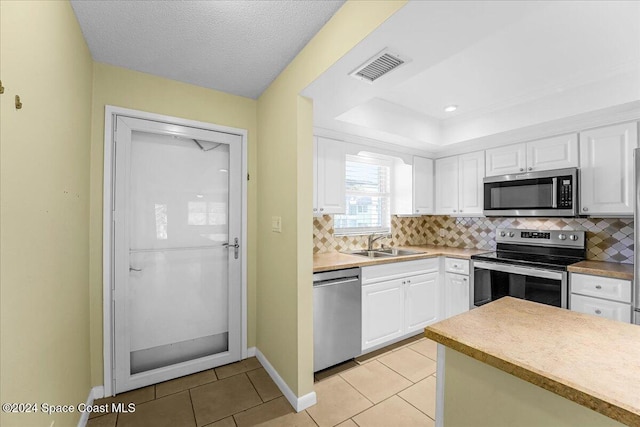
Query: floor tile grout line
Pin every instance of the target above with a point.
(400, 391)
(254, 388)
(359, 392)
(421, 411)
(193, 409)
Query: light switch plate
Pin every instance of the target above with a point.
(442, 232)
(276, 224)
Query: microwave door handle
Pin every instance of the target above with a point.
(554, 193)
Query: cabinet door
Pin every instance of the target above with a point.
(402, 189)
(456, 294)
(422, 185)
(558, 152)
(447, 185)
(471, 194)
(600, 307)
(382, 312)
(315, 176)
(331, 176)
(506, 160)
(422, 301)
(606, 173)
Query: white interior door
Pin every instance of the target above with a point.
(177, 275)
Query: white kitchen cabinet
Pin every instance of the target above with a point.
(382, 312)
(421, 301)
(606, 170)
(456, 294)
(459, 187)
(398, 299)
(600, 307)
(447, 185)
(412, 187)
(330, 177)
(506, 160)
(422, 185)
(558, 152)
(601, 296)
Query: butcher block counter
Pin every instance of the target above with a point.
(585, 359)
(337, 260)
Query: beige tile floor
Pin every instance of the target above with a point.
(394, 386)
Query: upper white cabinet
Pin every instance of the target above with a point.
(422, 185)
(412, 187)
(329, 170)
(558, 152)
(459, 184)
(606, 174)
(506, 160)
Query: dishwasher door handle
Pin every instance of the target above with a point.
(336, 282)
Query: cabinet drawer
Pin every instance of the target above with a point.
(603, 308)
(601, 287)
(454, 265)
(397, 270)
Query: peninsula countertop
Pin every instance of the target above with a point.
(338, 260)
(592, 361)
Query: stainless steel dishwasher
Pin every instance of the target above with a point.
(337, 317)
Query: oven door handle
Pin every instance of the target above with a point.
(554, 193)
(525, 271)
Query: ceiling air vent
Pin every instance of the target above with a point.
(378, 66)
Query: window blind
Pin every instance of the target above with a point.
(368, 198)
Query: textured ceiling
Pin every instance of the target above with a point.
(237, 47)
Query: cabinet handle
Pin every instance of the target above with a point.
(315, 209)
(598, 287)
(454, 210)
(460, 210)
(585, 209)
(464, 279)
(530, 168)
(521, 169)
(321, 209)
(408, 281)
(598, 311)
(404, 282)
(417, 210)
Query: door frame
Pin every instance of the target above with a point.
(107, 227)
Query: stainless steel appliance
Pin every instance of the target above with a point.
(337, 317)
(636, 245)
(527, 264)
(547, 193)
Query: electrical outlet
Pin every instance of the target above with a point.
(442, 232)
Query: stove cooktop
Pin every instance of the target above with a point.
(529, 259)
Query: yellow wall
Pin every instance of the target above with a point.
(139, 91)
(477, 394)
(284, 299)
(44, 209)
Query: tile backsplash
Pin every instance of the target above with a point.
(608, 239)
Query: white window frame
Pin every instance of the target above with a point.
(356, 231)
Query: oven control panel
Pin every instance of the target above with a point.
(567, 238)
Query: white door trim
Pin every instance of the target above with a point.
(107, 243)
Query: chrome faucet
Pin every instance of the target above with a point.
(373, 239)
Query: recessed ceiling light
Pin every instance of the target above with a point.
(450, 108)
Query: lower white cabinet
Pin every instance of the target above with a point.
(601, 307)
(397, 299)
(456, 294)
(601, 296)
(382, 312)
(421, 301)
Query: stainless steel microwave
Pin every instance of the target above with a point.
(544, 194)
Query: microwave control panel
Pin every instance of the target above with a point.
(565, 192)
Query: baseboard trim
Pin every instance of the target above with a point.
(96, 392)
(298, 403)
(251, 352)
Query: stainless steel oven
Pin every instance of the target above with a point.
(527, 264)
(493, 281)
(547, 193)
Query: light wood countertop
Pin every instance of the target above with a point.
(592, 361)
(338, 260)
(602, 268)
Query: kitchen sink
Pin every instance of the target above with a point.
(398, 252)
(383, 253)
(370, 254)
